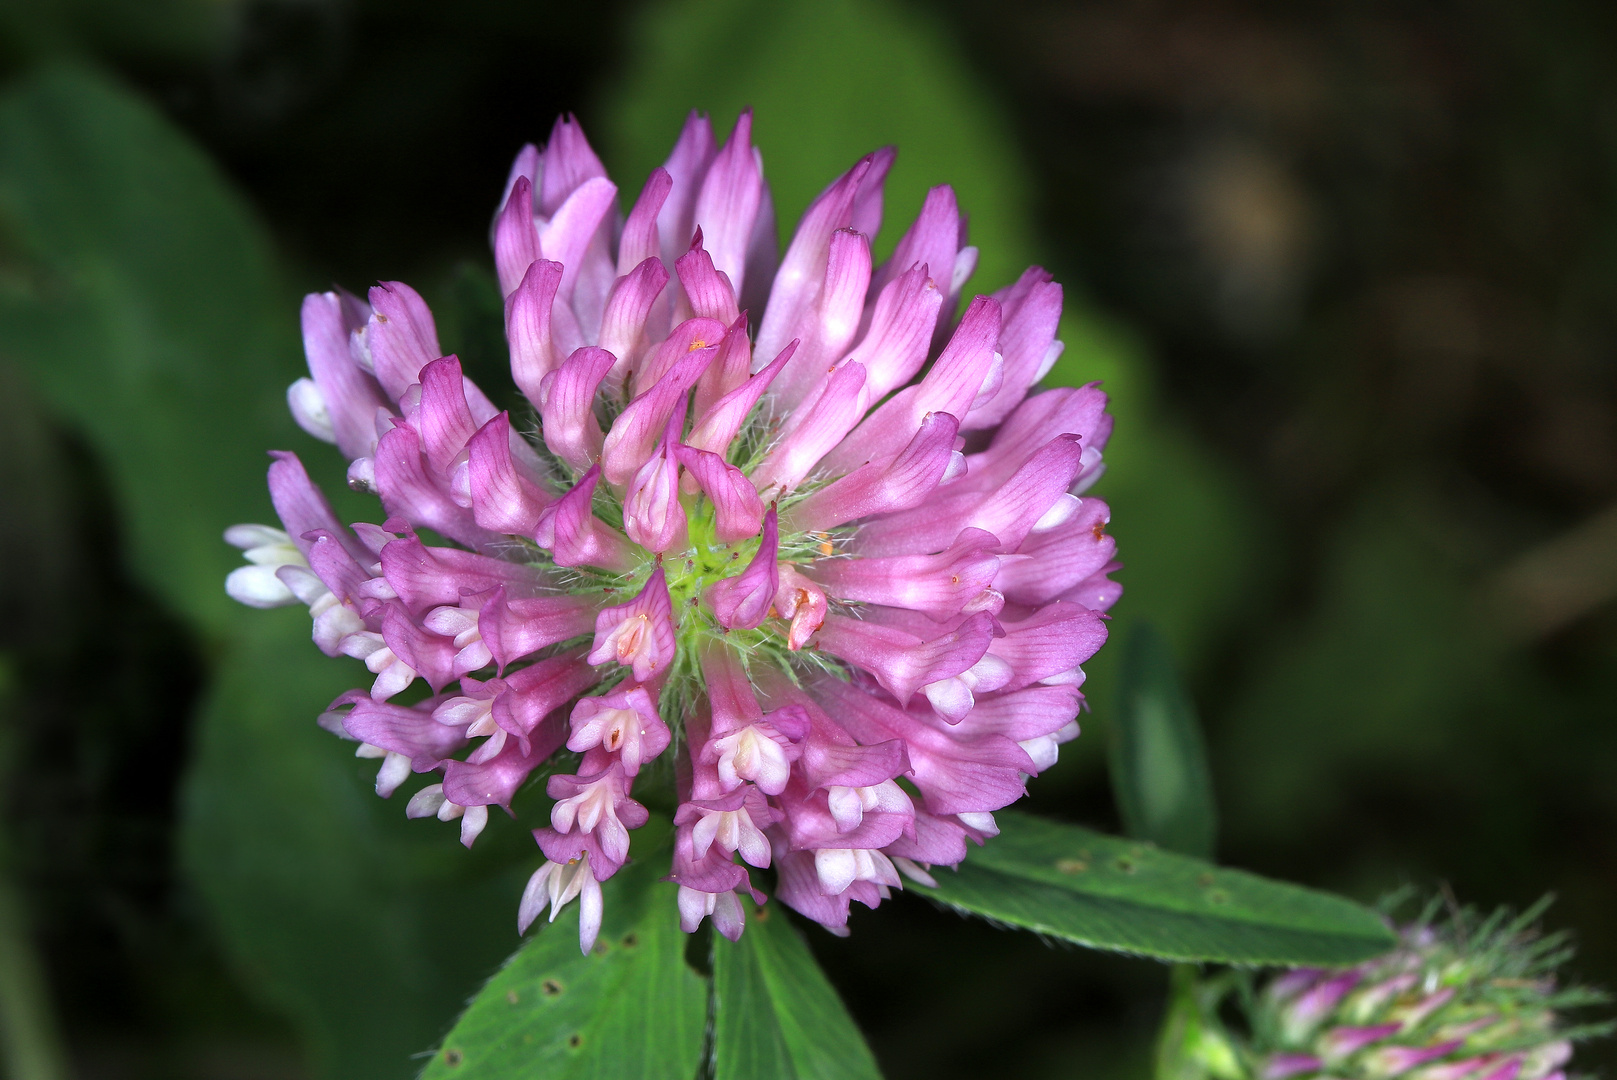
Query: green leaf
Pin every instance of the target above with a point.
(633, 1009)
(776, 1015)
(1159, 761)
(1108, 893)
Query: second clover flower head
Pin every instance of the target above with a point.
(1462, 998)
(784, 513)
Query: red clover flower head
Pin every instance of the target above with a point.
(787, 516)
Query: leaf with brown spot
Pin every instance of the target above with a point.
(1144, 900)
(631, 1012)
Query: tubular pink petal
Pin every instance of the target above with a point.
(638, 634)
(399, 729)
(690, 336)
(802, 271)
(409, 492)
(743, 602)
(623, 323)
(569, 528)
(401, 337)
(573, 226)
(730, 694)
(515, 628)
(738, 512)
(763, 251)
(687, 165)
(566, 400)
(639, 241)
(798, 887)
(956, 773)
(882, 487)
(829, 326)
(933, 240)
(638, 428)
(496, 781)
(853, 765)
(835, 411)
(301, 506)
(531, 695)
(504, 498)
(901, 326)
(1032, 314)
(1056, 639)
(351, 397)
(1030, 713)
(426, 577)
(565, 165)
(901, 662)
(516, 237)
(727, 205)
(940, 586)
(529, 306)
(711, 294)
(951, 386)
(525, 164)
(652, 514)
(1097, 592)
(730, 368)
(717, 428)
(866, 213)
(1059, 559)
(347, 579)
(432, 656)
(444, 418)
(1077, 411)
(1010, 512)
(938, 840)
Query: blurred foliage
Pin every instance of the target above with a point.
(1159, 768)
(1347, 271)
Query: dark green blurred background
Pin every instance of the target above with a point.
(1349, 269)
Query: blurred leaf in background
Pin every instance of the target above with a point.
(1158, 755)
(150, 314)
